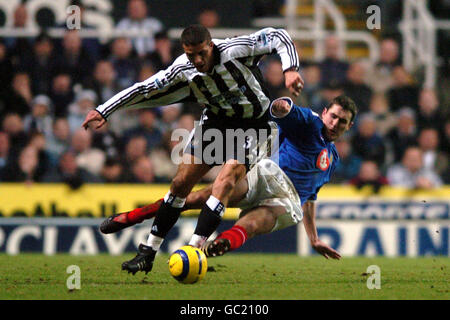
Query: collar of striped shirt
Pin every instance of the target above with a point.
(216, 55)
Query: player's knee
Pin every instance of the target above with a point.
(224, 185)
(259, 222)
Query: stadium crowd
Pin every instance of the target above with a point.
(401, 137)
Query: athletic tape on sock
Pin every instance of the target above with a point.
(215, 205)
(174, 201)
(154, 241)
(197, 240)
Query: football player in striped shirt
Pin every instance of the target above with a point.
(224, 76)
(273, 197)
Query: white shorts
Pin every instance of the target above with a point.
(268, 185)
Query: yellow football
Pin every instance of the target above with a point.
(188, 264)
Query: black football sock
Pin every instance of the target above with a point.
(165, 218)
(208, 221)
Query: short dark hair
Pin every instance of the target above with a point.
(194, 35)
(346, 103)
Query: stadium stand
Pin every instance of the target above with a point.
(52, 77)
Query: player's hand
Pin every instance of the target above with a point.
(294, 82)
(325, 250)
(96, 119)
(280, 108)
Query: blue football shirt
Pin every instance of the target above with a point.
(305, 155)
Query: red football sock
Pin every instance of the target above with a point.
(237, 236)
(147, 212)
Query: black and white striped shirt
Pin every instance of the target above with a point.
(234, 88)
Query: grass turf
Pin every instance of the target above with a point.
(234, 276)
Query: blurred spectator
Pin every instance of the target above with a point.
(6, 68)
(41, 64)
(311, 90)
(103, 82)
(119, 123)
(411, 174)
(445, 147)
(88, 158)
(138, 20)
(379, 107)
(186, 121)
(73, 58)
(445, 141)
(145, 72)
(165, 52)
(69, 172)
(164, 166)
(266, 8)
(404, 92)
(209, 17)
(112, 171)
(59, 140)
(20, 46)
(40, 119)
(107, 141)
(38, 141)
(125, 65)
(61, 93)
(91, 45)
(404, 134)
(332, 68)
(380, 78)
(85, 102)
(369, 175)
(169, 117)
(330, 90)
(135, 148)
(20, 16)
(147, 128)
(17, 98)
(367, 143)
(4, 152)
(273, 74)
(433, 158)
(349, 163)
(13, 125)
(429, 113)
(356, 88)
(142, 171)
(25, 169)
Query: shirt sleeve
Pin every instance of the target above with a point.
(163, 88)
(267, 41)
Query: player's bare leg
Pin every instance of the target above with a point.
(195, 200)
(256, 221)
(211, 214)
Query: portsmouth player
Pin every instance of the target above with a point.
(274, 197)
(224, 76)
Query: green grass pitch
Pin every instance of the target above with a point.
(232, 277)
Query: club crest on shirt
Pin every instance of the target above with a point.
(323, 162)
(159, 84)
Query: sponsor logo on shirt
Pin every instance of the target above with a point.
(323, 162)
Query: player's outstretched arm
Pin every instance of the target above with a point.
(309, 213)
(280, 108)
(93, 117)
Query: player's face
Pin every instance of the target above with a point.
(336, 121)
(201, 55)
